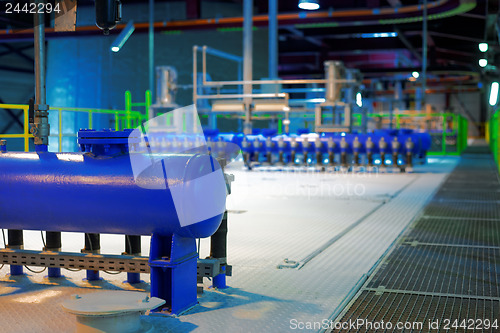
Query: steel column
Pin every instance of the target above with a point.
(151, 49)
(424, 53)
(247, 61)
(273, 39)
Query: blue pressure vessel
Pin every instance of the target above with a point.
(85, 192)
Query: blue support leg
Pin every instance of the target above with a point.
(54, 272)
(53, 243)
(92, 245)
(133, 278)
(15, 241)
(219, 281)
(16, 270)
(133, 248)
(173, 262)
(93, 276)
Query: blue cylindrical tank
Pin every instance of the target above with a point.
(81, 192)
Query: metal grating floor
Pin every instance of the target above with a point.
(446, 267)
(441, 269)
(420, 311)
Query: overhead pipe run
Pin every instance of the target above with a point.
(436, 10)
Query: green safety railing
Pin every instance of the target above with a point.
(492, 136)
(452, 134)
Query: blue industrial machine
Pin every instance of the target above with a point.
(95, 192)
(399, 148)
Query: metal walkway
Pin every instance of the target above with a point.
(444, 273)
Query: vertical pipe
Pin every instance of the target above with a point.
(218, 249)
(92, 245)
(148, 102)
(60, 136)
(40, 129)
(398, 96)
(424, 53)
(15, 241)
(195, 75)
(273, 39)
(151, 48)
(128, 107)
(133, 248)
(53, 243)
(247, 61)
(39, 37)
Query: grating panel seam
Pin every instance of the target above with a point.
(380, 291)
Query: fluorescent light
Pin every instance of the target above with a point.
(309, 4)
(483, 62)
(494, 94)
(379, 35)
(123, 37)
(359, 99)
(483, 47)
(317, 100)
(415, 74)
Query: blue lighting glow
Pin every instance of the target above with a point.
(388, 162)
(325, 161)
(342, 134)
(376, 161)
(379, 35)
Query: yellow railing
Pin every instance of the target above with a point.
(26, 131)
(123, 119)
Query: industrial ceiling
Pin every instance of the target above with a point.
(380, 37)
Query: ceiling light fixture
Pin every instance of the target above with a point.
(379, 35)
(123, 37)
(415, 74)
(483, 62)
(483, 47)
(309, 4)
(494, 94)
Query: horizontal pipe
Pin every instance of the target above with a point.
(74, 192)
(222, 54)
(231, 96)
